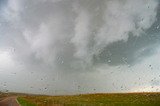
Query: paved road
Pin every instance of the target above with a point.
(9, 101)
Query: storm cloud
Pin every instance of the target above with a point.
(76, 42)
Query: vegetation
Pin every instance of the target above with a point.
(25, 102)
(126, 99)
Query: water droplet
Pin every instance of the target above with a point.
(109, 61)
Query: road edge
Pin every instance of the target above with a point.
(18, 102)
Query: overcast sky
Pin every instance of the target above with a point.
(79, 46)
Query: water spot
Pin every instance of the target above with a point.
(78, 86)
(6, 91)
(142, 19)
(4, 85)
(109, 61)
(129, 65)
(45, 101)
(121, 87)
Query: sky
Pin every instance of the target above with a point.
(59, 47)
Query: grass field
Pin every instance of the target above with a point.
(24, 102)
(126, 99)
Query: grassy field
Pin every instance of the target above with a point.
(24, 102)
(126, 99)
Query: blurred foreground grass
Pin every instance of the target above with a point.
(124, 99)
(24, 102)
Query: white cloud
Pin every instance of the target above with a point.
(12, 10)
(146, 89)
(61, 36)
(88, 25)
(122, 17)
(6, 60)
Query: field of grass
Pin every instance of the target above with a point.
(24, 102)
(126, 99)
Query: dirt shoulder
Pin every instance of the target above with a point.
(9, 101)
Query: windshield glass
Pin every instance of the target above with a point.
(68, 47)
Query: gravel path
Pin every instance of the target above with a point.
(9, 101)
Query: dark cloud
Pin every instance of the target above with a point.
(72, 39)
(124, 52)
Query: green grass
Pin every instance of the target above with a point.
(126, 99)
(25, 102)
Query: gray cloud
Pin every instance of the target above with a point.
(73, 37)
